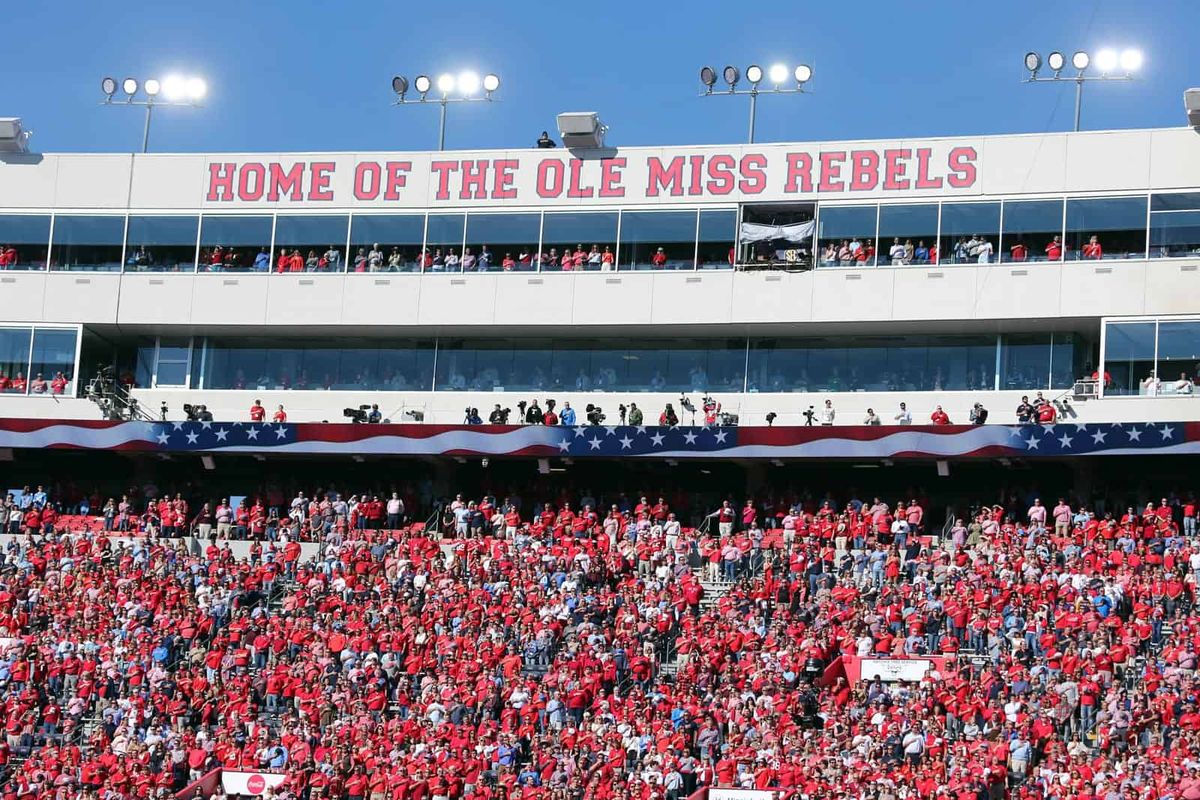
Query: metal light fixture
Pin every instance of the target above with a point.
(778, 76)
(1107, 62)
(173, 90)
(466, 88)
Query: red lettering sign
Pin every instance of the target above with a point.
(397, 178)
(799, 173)
(318, 187)
(443, 170)
(366, 180)
(754, 176)
(864, 170)
(720, 173)
(549, 178)
(895, 163)
(575, 188)
(962, 167)
(502, 178)
(831, 171)
(220, 182)
(669, 177)
(923, 179)
(290, 182)
(610, 177)
(252, 179)
(474, 173)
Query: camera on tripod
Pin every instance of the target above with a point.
(499, 416)
(595, 414)
(624, 411)
(357, 416)
(416, 414)
(197, 413)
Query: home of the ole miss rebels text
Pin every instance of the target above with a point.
(703, 174)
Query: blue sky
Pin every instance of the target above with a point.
(306, 75)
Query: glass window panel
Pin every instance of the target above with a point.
(14, 359)
(172, 373)
(966, 227)
(1128, 356)
(143, 368)
(1181, 201)
(846, 235)
(908, 366)
(564, 231)
(87, 243)
(339, 364)
(1032, 230)
(397, 236)
(310, 243)
(502, 242)
(1066, 356)
(777, 365)
(718, 234)
(162, 244)
(445, 241)
(1178, 355)
(657, 240)
(24, 239)
(1024, 361)
(1106, 227)
(235, 244)
(1174, 234)
(907, 232)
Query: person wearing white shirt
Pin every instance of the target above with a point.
(983, 249)
(872, 418)
(896, 253)
(904, 417)
(827, 413)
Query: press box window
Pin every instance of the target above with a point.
(87, 243)
(235, 244)
(24, 239)
(162, 244)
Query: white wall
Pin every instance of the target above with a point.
(395, 301)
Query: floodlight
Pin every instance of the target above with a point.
(708, 76)
(445, 83)
(109, 86)
(174, 87)
(1131, 60)
(152, 87)
(196, 89)
(754, 74)
(129, 86)
(803, 73)
(1106, 60)
(400, 85)
(1056, 61)
(491, 82)
(1032, 61)
(422, 84)
(778, 74)
(732, 76)
(468, 83)
(1080, 60)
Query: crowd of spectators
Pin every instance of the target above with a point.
(580, 650)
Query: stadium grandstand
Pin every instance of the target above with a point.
(792, 471)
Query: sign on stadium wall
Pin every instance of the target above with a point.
(250, 783)
(719, 793)
(640, 176)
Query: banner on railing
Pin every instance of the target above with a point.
(250, 783)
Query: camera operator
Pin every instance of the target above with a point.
(533, 415)
(668, 417)
(979, 414)
(499, 416)
(374, 416)
(635, 414)
(809, 416)
(595, 414)
(472, 417)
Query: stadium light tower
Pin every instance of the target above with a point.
(174, 90)
(1109, 66)
(466, 84)
(780, 75)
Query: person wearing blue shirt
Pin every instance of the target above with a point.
(262, 261)
(567, 417)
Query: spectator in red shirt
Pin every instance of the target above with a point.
(257, 412)
(1054, 250)
(59, 384)
(939, 417)
(1092, 249)
(280, 415)
(659, 259)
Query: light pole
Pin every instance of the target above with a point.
(779, 74)
(1110, 66)
(173, 90)
(467, 84)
